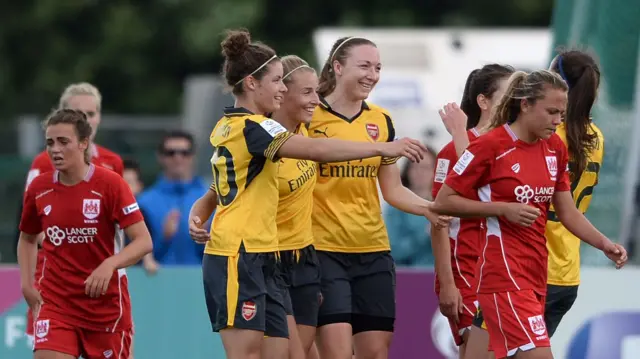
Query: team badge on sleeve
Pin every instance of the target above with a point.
(463, 162)
(130, 208)
(373, 131)
(442, 168)
(272, 127)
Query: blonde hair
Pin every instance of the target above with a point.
(291, 64)
(524, 86)
(80, 89)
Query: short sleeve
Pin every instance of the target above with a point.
(265, 138)
(445, 159)
(125, 209)
(212, 187)
(390, 138)
(472, 167)
(30, 220)
(40, 164)
(563, 183)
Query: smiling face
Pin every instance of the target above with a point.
(301, 98)
(269, 90)
(360, 72)
(543, 116)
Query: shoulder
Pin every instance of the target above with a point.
(594, 129)
(556, 142)
(42, 162)
(271, 126)
(377, 109)
(105, 152)
(108, 177)
(447, 152)
(42, 182)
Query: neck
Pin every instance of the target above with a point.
(343, 104)
(73, 175)
(249, 105)
(522, 132)
(483, 123)
(286, 121)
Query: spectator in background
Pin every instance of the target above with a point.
(409, 234)
(166, 204)
(132, 175)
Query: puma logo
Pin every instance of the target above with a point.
(322, 132)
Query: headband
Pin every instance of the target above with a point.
(297, 68)
(342, 43)
(561, 72)
(256, 70)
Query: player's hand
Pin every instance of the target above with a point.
(170, 225)
(453, 118)
(150, 265)
(439, 221)
(450, 302)
(520, 213)
(197, 233)
(412, 149)
(98, 282)
(616, 253)
(33, 298)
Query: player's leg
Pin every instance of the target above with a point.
(515, 322)
(313, 352)
(460, 330)
(100, 345)
(305, 295)
(477, 345)
(374, 310)
(559, 301)
(54, 339)
(334, 337)
(235, 294)
(276, 332)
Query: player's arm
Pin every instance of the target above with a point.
(200, 213)
(30, 230)
(400, 196)
(271, 140)
(455, 120)
(27, 258)
(139, 246)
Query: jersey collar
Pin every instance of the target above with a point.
(236, 111)
(87, 176)
(325, 105)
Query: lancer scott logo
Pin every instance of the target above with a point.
(57, 235)
(525, 194)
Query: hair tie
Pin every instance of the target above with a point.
(561, 71)
(256, 70)
(297, 68)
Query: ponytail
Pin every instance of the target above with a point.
(469, 104)
(509, 107)
(327, 81)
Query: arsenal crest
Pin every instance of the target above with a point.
(552, 166)
(91, 208)
(249, 310)
(373, 131)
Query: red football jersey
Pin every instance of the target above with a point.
(501, 168)
(100, 156)
(464, 234)
(83, 226)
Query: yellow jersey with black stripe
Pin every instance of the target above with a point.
(347, 216)
(245, 178)
(564, 247)
(296, 180)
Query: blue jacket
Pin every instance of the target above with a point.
(409, 237)
(156, 202)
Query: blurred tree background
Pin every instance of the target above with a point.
(139, 52)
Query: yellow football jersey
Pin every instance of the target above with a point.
(296, 179)
(346, 209)
(564, 247)
(245, 170)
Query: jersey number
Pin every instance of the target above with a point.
(224, 200)
(586, 191)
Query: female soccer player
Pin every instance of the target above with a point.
(586, 150)
(358, 272)
(457, 249)
(243, 298)
(86, 98)
(517, 169)
(80, 308)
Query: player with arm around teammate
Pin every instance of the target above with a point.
(518, 169)
(244, 301)
(456, 248)
(82, 304)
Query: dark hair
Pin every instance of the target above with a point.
(133, 165)
(339, 52)
(242, 58)
(175, 134)
(482, 81)
(293, 63)
(78, 120)
(582, 74)
(524, 86)
(404, 173)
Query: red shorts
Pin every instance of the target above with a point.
(515, 321)
(55, 335)
(466, 318)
